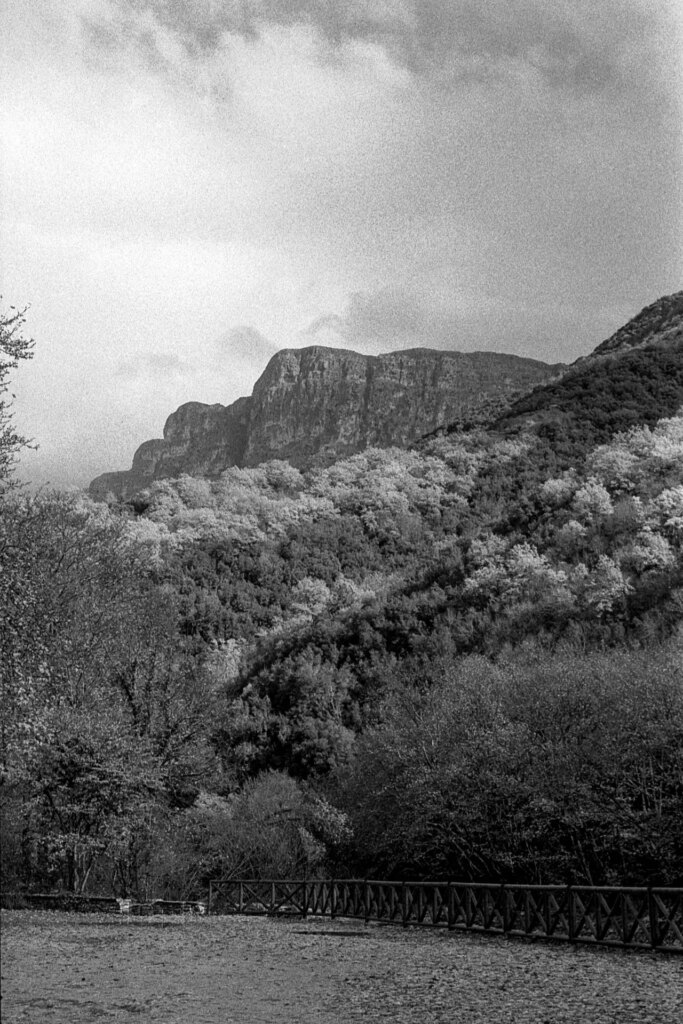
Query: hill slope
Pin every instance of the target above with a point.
(660, 323)
(633, 378)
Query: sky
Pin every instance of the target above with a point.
(190, 185)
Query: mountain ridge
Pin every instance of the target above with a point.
(316, 404)
(319, 404)
(659, 323)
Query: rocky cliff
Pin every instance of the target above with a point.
(319, 404)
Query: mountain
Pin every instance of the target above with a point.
(549, 536)
(634, 378)
(319, 404)
(314, 405)
(660, 323)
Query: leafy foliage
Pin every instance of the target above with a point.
(458, 659)
(14, 348)
(604, 397)
(103, 715)
(568, 767)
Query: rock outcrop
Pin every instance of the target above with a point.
(318, 404)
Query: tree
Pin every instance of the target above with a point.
(275, 827)
(92, 786)
(105, 714)
(14, 347)
(536, 769)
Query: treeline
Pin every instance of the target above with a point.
(462, 660)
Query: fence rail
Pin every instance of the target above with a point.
(640, 918)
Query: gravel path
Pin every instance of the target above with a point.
(73, 969)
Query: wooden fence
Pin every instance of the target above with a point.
(642, 918)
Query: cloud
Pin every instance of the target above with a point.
(244, 344)
(239, 357)
(575, 44)
(386, 320)
(391, 319)
(240, 354)
(153, 365)
(493, 175)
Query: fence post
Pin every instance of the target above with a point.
(598, 916)
(404, 905)
(624, 919)
(505, 914)
(240, 903)
(208, 901)
(366, 901)
(571, 913)
(451, 907)
(652, 913)
(305, 898)
(547, 913)
(468, 907)
(333, 900)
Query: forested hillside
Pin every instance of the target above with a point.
(461, 659)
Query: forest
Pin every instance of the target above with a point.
(460, 660)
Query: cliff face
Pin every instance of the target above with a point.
(206, 437)
(199, 439)
(320, 403)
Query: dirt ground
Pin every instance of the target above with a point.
(72, 969)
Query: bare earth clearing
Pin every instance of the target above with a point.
(71, 969)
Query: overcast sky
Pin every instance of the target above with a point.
(189, 185)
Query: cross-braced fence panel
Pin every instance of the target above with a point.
(628, 917)
(259, 896)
